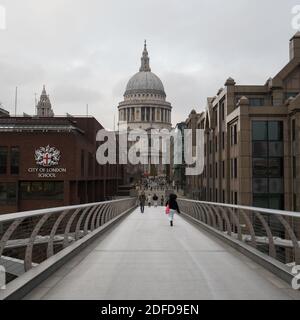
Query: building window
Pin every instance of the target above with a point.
(267, 131)
(256, 102)
(268, 164)
(260, 167)
(235, 138)
(223, 169)
(275, 130)
(3, 160)
(235, 166)
(216, 170)
(216, 116)
(8, 193)
(216, 144)
(42, 190)
(260, 131)
(223, 111)
(223, 140)
(14, 160)
(234, 135)
(275, 167)
(293, 130)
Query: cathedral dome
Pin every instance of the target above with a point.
(145, 81)
(144, 105)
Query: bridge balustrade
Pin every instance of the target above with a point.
(272, 232)
(29, 238)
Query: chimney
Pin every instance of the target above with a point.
(295, 46)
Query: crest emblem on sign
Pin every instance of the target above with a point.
(47, 156)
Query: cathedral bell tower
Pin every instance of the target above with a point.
(44, 107)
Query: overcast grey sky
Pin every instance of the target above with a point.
(86, 51)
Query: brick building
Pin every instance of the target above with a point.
(49, 161)
(77, 178)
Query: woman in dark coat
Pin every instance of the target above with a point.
(173, 205)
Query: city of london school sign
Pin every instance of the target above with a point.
(47, 161)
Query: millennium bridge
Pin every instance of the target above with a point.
(110, 251)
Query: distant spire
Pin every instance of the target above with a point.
(44, 107)
(44, 93)
(145, 66)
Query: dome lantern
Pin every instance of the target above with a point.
(145, 66)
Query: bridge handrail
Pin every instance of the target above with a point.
(34, 213)
(32, 237)
(275, 232)
(262, 210)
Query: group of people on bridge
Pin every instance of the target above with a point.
(171, 206)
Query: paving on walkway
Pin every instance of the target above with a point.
(144, 258)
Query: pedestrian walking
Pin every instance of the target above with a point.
(142, 200)
(173, 206)
(162, 201)
(149, 201)
(155, 200)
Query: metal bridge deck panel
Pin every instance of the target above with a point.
(143, 258)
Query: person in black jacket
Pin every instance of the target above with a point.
(173, 205)
(155, 200)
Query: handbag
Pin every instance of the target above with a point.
(168, 209)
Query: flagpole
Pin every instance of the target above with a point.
(35, 101)
(16, 101)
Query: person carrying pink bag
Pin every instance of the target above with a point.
(172, 207)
